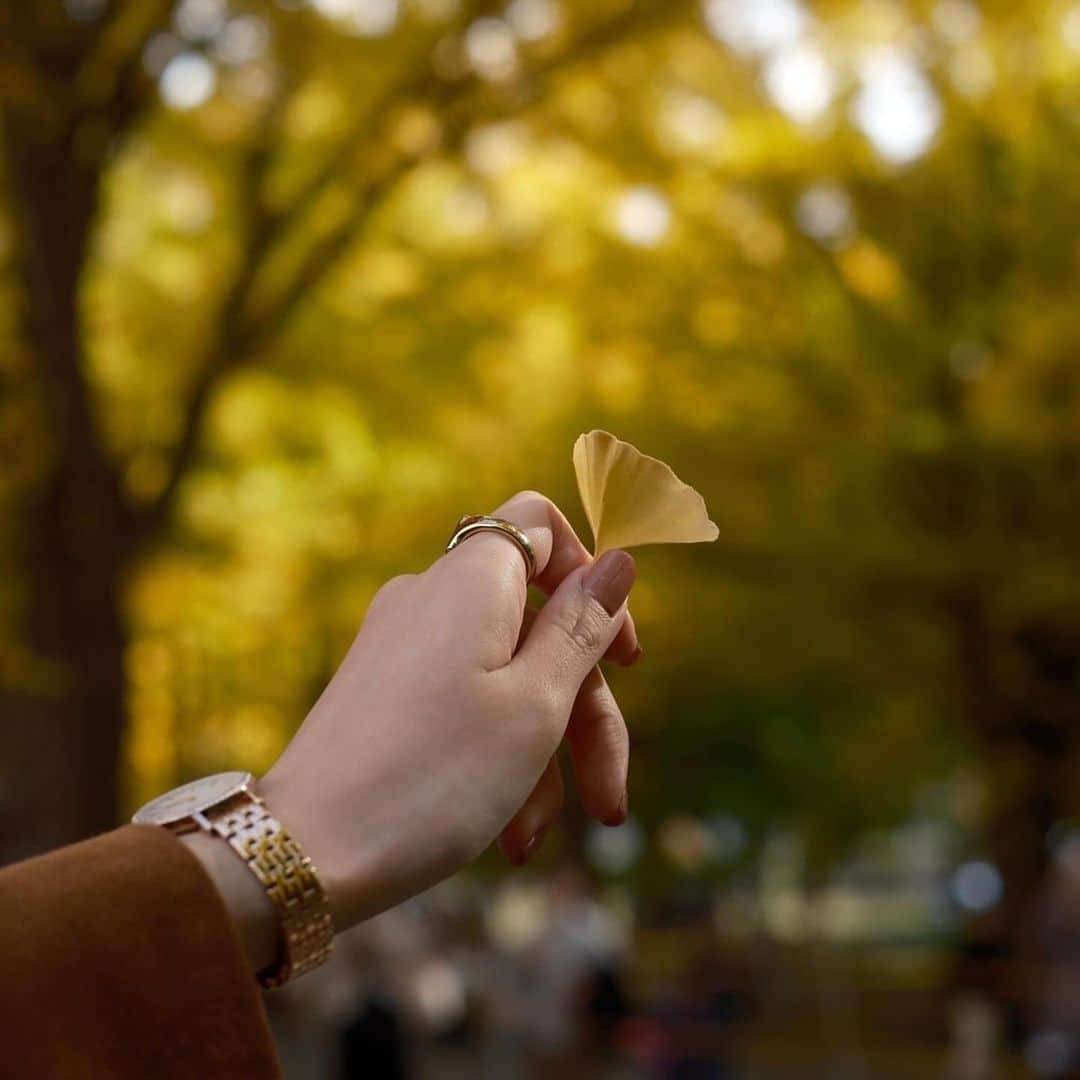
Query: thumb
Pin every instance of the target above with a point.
(578, 624)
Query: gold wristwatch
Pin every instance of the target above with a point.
(226, 805)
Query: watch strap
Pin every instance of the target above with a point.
(290, 881)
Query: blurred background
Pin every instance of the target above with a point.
(287, 287)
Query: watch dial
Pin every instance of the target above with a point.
(199, 795)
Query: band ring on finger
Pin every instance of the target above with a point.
(473, 524)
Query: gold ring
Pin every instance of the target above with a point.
(471, 524)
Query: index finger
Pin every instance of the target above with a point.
(558, 551)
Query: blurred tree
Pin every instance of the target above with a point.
(78, 88)
(389, 258)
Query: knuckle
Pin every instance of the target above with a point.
(589, 632)
(530, 497)
(392, 590)
(584, 633)
(398, 584)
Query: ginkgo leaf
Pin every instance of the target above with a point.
(632, 499)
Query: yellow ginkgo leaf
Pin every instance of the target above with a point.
(632, 499)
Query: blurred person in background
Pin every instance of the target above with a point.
(1050, 963)
(697, 1010)
(573, 967)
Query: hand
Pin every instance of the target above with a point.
(438, 731)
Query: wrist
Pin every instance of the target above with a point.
(341, 870)
(250, 909)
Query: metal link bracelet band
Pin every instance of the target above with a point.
(289, 878)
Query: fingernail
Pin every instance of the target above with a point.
(610, 579)
(619, 817)
(637, 655)
(533, 845)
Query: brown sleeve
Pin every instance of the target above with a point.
(118, 959)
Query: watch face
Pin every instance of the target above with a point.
(199, 795)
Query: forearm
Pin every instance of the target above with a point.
(120, 961)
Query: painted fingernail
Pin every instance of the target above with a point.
(619, 817)
(610, 579)
(533, 845)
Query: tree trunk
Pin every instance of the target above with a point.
(62, 727)
(1022, 697)
(62, 732)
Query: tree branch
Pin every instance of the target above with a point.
(326, 254)
(228, 343)
(422, 84)
(54, 177)
(240, 330)
(117, 63)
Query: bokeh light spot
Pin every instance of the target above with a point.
(491, 49)
(642, 217)
(188, 81)
(200, 20)
(801, 82)
(755, 27)
(977, 885)
(242, 40)
(824, 213)
(534, 20)
(957, 20)
(690, 121)
(896, 108)
(614, 850)
(364, 18)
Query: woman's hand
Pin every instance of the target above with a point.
(438, 732)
